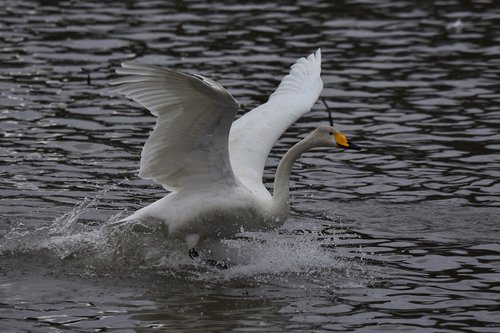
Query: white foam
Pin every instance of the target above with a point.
(99, 249)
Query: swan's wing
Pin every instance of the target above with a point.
(253, 135)
(189, 145)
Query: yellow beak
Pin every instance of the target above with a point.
(343, 142)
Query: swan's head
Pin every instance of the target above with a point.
(328, 136)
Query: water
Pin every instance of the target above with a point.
(402, 236)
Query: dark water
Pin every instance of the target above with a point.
(403, 236)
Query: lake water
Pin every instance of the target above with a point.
(403, 236)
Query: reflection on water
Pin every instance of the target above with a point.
(402, 236)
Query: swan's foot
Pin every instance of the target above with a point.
(216, 264)
(193, 254)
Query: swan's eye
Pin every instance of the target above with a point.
(330, 133)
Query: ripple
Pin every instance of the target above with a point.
(408, 226)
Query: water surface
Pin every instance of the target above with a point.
(402, 236)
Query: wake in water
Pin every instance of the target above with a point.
(134, 249)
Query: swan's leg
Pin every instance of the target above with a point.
(191, 241)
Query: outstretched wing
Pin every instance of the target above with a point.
(189, 145)
(253, 135)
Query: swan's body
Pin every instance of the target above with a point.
(213, 166)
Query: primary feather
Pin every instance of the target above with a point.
(253, 135)
(188, 146)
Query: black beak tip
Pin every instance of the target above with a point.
(353, 146)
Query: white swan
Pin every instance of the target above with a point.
(212, 166)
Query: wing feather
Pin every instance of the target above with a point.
(189, 144)
(253, 135)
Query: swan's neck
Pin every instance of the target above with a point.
(281, 180)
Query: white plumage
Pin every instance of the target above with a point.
(189, 142)
(213, 166)
(254, 134)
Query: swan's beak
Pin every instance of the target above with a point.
(343, 142)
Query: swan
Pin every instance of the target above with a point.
(211, 165)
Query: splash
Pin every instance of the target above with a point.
(113, 247)
(103, 248)
(301, 261)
